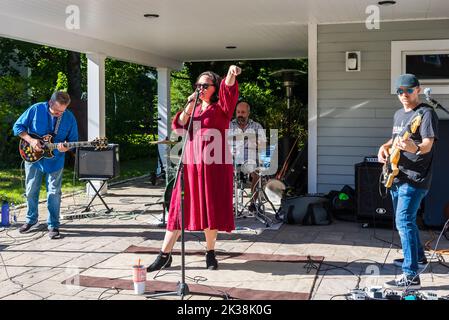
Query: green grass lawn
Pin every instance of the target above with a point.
(12, 180)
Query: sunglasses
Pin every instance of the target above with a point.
(203, 85)
(56, 110)
(401, 91)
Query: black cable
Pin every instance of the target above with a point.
(433, 253)
(343, 268)
(109, 289)
(21, 285)
(341, 295)
(196, 279)
(391, 243)
(339, 267)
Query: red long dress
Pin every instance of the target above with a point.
(207, 186)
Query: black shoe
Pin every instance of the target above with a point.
(53, 233)
(404, 282)
(163, 260)
(27, 227)
(421, 263)
(211, 261)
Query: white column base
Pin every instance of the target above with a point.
(97, 183)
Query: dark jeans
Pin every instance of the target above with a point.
(406, 201)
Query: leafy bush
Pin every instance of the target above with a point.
(13, 101)
(135, 146)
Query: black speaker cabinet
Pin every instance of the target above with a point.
(370, 205)
(98, 164)
(436, 203)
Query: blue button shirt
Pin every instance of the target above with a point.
(37, 119)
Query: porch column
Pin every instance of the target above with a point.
(313, 108)
(96, 111)
(164, 114)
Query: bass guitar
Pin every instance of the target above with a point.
(29, 154)
(390, 168)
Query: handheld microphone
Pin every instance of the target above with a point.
(433, 102)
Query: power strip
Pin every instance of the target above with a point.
(77, 215)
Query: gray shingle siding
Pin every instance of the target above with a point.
(355, 109)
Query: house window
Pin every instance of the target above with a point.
(427, 59)
(433, 67)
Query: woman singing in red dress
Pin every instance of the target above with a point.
(207, 167)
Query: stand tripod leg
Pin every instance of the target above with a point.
(97, 193)
(276, 212)
(163, 224)
(260, 207)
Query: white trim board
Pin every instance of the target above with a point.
(400, 48)
(313, 109)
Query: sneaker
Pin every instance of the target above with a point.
(211, 261)
(163, 260)
(53, 233)
(404, 282)
(27, 227)
(421, 263)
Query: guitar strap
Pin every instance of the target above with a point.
(58, 122)
(415, 113)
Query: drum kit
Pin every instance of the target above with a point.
(268, 190)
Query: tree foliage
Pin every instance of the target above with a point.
(260, 88)
(30, 73)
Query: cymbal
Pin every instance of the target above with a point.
(164, 142)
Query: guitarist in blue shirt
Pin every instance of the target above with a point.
(412, 182)
(42, 119)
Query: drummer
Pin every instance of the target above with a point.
(247, 143)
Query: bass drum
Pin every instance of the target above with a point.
(274, 189)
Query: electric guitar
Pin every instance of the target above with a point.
(30, 155)
(390, 168)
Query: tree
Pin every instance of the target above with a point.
(264, 92)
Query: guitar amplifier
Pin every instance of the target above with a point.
(370, 205)
(92, 163)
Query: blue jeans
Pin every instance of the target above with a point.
(406, 201)
(53, 181)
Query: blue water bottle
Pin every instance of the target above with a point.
(5, 214)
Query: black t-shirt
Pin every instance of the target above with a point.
(416, 169)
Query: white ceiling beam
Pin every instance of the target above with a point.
(15, 28)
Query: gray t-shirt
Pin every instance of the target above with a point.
(416, 169)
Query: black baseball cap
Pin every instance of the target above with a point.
(407, 80)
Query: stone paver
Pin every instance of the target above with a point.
(93, 246)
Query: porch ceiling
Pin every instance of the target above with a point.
(193, 30)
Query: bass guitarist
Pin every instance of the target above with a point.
(412, 182)
(42, 119)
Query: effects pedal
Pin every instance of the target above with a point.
(429, 295)
(375, 292)
(357, 294)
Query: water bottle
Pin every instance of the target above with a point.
(5, 214)
(14, 213)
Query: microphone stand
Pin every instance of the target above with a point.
(436, 104)
(183, 288)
